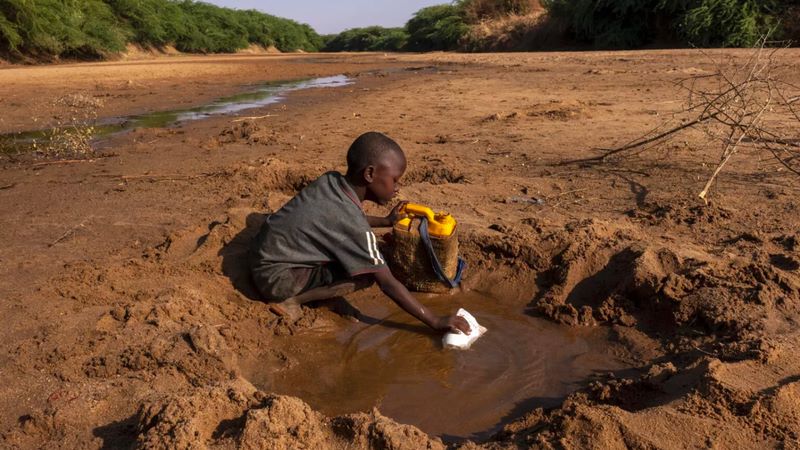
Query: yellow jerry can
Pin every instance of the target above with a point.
(426, 264)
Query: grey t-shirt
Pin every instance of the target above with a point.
(323, 224)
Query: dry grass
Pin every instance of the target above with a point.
(71, 134)
(514, 32)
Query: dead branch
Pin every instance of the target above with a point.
(67, 234)
(641, 142)
(730, 150)
(241, 119)
(739, 106)
(63, 161)
(155, 177)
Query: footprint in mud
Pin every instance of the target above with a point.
(784, 262)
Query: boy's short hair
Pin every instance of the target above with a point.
(368, 150)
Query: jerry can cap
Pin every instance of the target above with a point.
(440, 224)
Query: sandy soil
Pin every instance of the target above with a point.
(128, 319)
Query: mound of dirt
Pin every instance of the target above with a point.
(238, 415)
(665, 407)
(558, 110)
(248, 132)
(606, 274)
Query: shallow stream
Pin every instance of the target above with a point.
(255, 97)
(396, 364)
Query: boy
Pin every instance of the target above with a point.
(321, 245)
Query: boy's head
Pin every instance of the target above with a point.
(377, 163)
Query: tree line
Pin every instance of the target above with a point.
(612, 24)
(86, 29)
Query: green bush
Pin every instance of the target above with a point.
(10, 39)
(152, 22)
(289, 35)
(213, 30)
(437, 27)
(367, 39)
(94, 28)
(634, 23)
(729, 23)
(47, 28)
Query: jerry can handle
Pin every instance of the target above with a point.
(415, 209)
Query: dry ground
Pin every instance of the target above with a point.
(126, 313)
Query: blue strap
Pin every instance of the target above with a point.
(437, 267)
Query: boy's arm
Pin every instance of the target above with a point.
(400, 295)
(389, 220)
(379, 222)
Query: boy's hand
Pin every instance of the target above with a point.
(395, 214)
(452, 324)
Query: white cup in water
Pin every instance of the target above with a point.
(460, 340)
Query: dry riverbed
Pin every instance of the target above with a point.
(128, 318)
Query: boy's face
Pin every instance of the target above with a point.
(383, 179)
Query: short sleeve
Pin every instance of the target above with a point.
(358, 251)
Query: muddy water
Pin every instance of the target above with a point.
(396, 364)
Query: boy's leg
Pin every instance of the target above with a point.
(291, 306)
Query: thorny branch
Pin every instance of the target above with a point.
(737, 106)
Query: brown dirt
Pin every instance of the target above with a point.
(128, 318)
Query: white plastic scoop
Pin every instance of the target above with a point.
(460, 340)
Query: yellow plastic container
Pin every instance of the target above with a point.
(440, 224)
(409, 258)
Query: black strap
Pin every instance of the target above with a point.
(437, 267)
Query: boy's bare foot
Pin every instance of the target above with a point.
(288, 309)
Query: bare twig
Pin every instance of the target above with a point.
(730, 150)
(67, 234)
(739, 106)
(63, 161)
(155, 177)
(241, 119)
(641, 142)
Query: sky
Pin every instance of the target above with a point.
(330, 16)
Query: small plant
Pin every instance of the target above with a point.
(71, 135)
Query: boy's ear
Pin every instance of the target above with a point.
(369, 174)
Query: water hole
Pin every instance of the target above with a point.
(262, 95)
(390, 361)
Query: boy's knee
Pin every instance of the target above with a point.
(363, 281)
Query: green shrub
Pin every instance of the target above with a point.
(367, 39)
(729, 23)
(152, 22)
(10, 38)
(437, 27)
(213, 30)
(94, 28)
(634, 23)
(47, 28)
